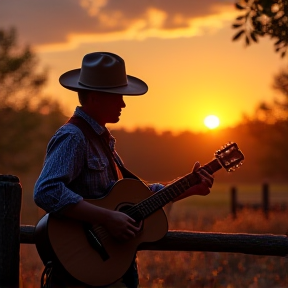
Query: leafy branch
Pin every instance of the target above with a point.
(260, 18)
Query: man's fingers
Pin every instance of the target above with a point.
(134, 228)
(130, 232)
(205, 174)
(131, 220)
(207, 178)
(196, 166)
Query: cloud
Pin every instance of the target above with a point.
(58, 25)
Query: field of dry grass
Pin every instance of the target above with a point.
(209, 269)
(202, 269)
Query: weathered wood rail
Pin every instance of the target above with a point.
(255, 244)
(12, 234)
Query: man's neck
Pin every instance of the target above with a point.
(92, 114)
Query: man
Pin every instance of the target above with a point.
(82, 164)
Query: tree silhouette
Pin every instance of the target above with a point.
(27, 119)
(19, 81)
(269, 125)
(263, 18)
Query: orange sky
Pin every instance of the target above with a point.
(182, 50)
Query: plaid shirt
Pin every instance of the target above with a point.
(74, 170)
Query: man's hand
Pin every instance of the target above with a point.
(121, 226)
(203, 188)
(118, 224)
(206, 178)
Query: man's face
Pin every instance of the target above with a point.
(106, 107)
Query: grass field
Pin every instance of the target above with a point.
(204, 269)
(218, 201)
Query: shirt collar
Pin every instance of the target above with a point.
(94, 124)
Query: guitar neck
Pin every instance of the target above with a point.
(158, 200)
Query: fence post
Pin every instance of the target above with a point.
(10, 206)
(265, 199)
(234, 202)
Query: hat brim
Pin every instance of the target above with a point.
(135, 86)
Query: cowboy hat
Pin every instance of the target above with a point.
(103, 71)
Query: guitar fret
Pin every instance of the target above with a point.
(172, 192)
(168, 194)
(183, 185)
(165, 197)
(142, 209)
(154, 205)
(149, 209)
(157, 200)
(178, 189)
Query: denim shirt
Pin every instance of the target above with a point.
(74, 170)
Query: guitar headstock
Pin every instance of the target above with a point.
(230, 156)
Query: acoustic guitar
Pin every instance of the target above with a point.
(89, 254)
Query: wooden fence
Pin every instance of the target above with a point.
(12, 234)
(264, 204)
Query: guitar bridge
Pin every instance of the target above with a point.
(95, 242)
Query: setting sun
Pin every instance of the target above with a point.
(211, 121)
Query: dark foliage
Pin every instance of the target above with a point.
(19, 80)
(269, 125)
(27, 119)
(260, 18)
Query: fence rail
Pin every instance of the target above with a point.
(255, 244)
(12, 234)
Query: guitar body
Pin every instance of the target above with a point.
(66, 239)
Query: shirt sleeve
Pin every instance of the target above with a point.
(155, 187)
(63, 163)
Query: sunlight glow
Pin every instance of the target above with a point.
(211, 121)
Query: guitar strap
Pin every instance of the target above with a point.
(92, 136)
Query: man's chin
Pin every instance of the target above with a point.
(114, 121)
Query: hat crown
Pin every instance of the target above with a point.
(103, 70)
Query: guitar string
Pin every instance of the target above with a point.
(151, 203)
(155, 200)
(100, 232)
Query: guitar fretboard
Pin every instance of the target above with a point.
(167, 194)
(159, 199)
